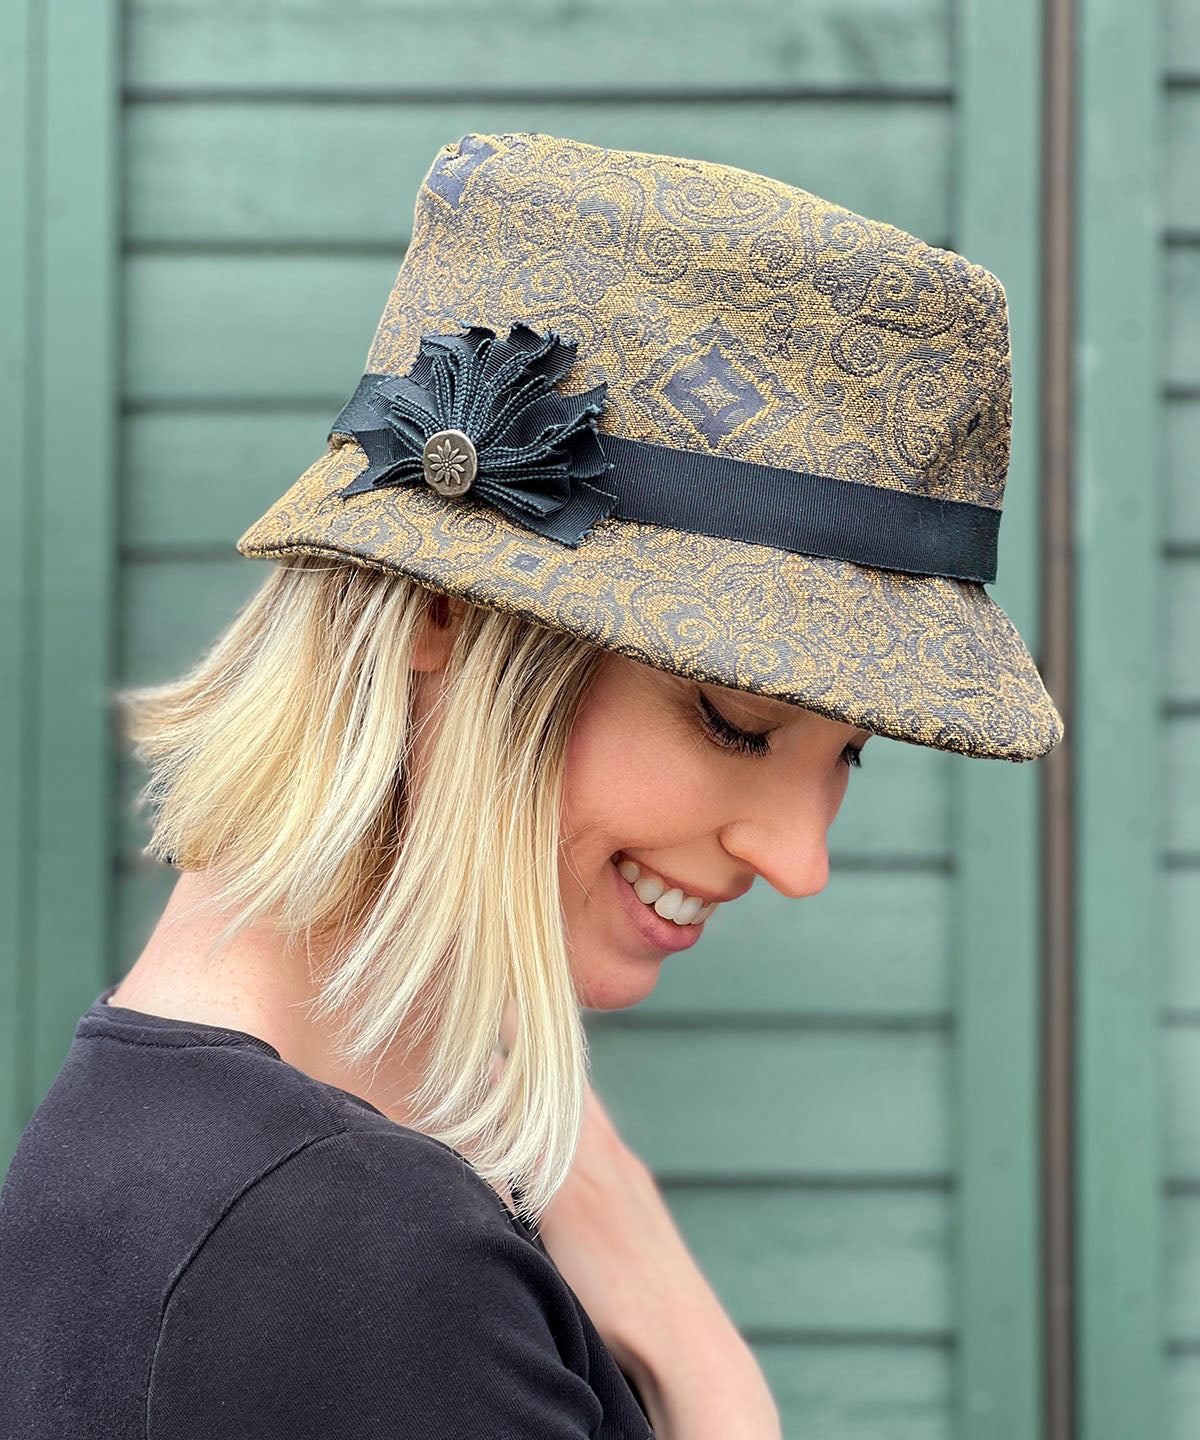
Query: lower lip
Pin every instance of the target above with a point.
(649, 924)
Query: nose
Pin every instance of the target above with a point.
(787, 847)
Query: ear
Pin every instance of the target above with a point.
(438, 630)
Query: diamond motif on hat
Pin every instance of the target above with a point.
(712, 385)
(713, 392)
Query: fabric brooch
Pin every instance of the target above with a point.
(479, 413)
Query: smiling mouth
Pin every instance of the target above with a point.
(667, 901)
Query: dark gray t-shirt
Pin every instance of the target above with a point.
(197, 1238)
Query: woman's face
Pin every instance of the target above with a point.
(648, 781)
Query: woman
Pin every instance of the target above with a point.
(665, 487)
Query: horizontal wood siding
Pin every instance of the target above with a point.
(885, 157)
(540, 47)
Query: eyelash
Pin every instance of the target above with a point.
(751, 742)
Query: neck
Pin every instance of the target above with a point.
(255, 984)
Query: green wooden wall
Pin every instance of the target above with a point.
(1175, 1058)
(841, 1095)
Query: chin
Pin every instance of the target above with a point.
(615, 984)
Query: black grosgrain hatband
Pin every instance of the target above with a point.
(478, 415)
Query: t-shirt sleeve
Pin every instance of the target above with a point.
(370, 1286)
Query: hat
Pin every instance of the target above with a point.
(697, 417)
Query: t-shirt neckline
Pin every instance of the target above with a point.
(143, 1026)
(174, 1030)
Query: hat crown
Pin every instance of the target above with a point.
(727, 312)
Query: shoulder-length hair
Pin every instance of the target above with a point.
(281, 763)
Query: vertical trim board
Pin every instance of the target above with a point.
(75, 422)
(19, 57)
(1118, 734)
(995, 223)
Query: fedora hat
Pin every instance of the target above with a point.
(697, 417)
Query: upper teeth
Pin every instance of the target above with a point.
(671, 904)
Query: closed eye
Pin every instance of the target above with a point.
(754, 742)
(728, 735)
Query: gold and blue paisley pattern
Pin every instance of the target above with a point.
(731, 314)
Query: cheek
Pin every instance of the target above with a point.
(632, 781)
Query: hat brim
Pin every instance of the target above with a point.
(919, 658)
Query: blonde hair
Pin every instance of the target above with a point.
(280, 762)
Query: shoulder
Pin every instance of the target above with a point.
(372, 1279)
(383, 1198)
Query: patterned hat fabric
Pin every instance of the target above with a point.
(696, 313)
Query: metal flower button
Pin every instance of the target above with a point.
(449, 462)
